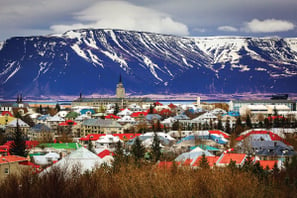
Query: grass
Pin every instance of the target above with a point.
(146, 180)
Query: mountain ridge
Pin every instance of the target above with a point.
(90, 61)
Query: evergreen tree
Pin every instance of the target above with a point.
(18, 146)
(203, 162)
(91, 146)
(248, 122)
(151, 110)
(238, 127)
(116, 109)
(158, 127)
(58, 107)
(228, 127)
(175, 126)
(156, 149)
(137, 149)
(220, 125)
(119, 156)
(266, 123)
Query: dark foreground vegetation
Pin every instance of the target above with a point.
(146, 180)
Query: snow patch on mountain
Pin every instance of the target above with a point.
(90, 41)
(72, 34)
(152, 67)
(292, 42)
(94, 59)
(79, 51)
(1, 45)
(120, 60)
(13, 72)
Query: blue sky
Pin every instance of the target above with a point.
(186, 18)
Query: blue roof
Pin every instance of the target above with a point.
(153, 116)
(43, 117)
(84, 111)
(232, 113)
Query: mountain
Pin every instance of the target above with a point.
(91, 60)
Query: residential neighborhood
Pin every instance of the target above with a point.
(183, 135)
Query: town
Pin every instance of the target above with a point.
(259, 135)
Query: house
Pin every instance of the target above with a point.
(90, 126)
(14, 124)
(226, 158)
(139, 116)
(268, 164)
(126, 119)
(112, 117)
(54, 121)
(207, 117)
(107, 142)
(212, 160)
(81, 159)
(11, 165)
(40, 132)
(124, 112)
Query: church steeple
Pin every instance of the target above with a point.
(120, 91)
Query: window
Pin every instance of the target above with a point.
(6, 170)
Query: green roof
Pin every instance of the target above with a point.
(205, 147)
(62, 145)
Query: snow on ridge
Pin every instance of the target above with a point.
(292, 43)
(42, 66)
(114, 57)
(95, 59)
(152, 67)
(1, 45)
(79, 52)
(8, 67)
(72, 34)
(90, 41)
(12, 74)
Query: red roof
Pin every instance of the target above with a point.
(273, 136)
(275, 117)
(68, 123)
(12, 158)
(126, 136)
(105, 153)
(267, 163)
(112, 116)
(172, 106)
(211, 160)
(225, 135)
(92, 137)
(188, 162)
(227, 157)
(4, 113)
(158, 103)
(138, 114)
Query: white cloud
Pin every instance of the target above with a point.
(124, 15)
(227, 29)
(268, 25)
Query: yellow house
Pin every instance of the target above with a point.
(11, 165)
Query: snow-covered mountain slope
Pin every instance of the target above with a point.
(90, 61)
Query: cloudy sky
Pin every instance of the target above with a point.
(179, 17)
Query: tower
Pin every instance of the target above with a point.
(120, 91)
